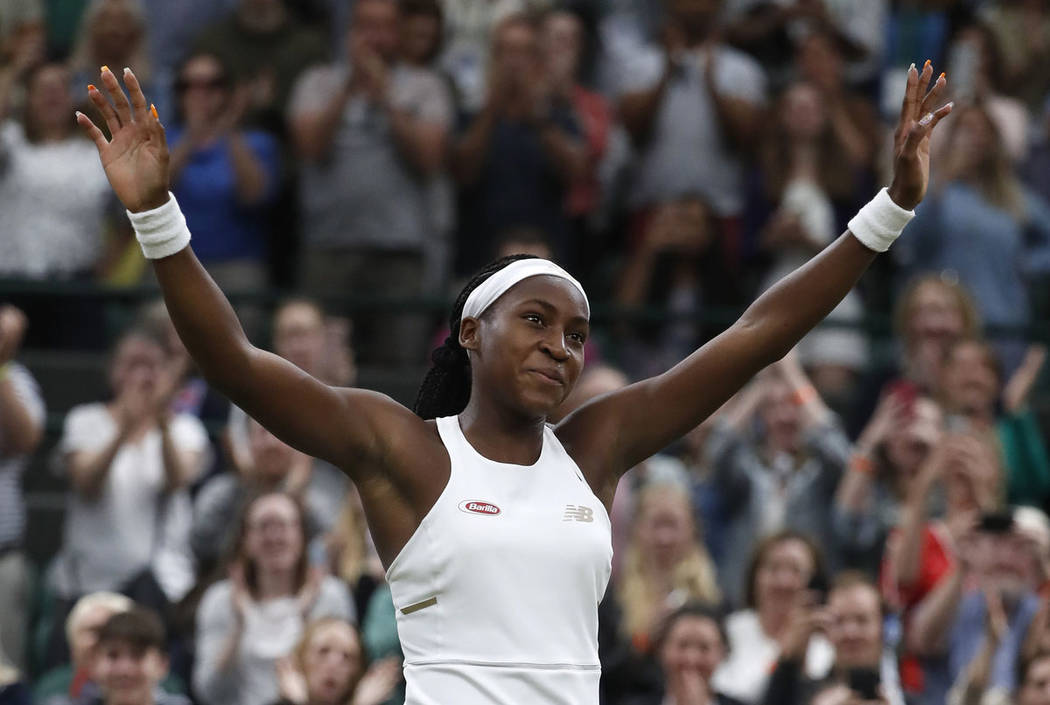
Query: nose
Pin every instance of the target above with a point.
(554, 344)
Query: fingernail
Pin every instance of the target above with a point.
(926, 65)
(104, 68)
(126, 70)
(951, 104)
(153, 111)
(77, 113)
(91, 87)
(912, 67)
(941, 77)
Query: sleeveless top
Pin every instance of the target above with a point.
(497, 591)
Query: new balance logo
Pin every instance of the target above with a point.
(578, 513)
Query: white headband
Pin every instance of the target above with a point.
(498, 284)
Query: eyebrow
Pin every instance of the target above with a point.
(551, 307)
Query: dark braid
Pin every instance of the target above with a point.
(446, 388)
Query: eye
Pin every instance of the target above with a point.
(578, 337)
(533, 318)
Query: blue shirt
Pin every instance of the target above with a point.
(967, 637)
(222, 228)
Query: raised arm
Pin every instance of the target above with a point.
(645, 417)
(338, 425)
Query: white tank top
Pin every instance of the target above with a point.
(497, 591)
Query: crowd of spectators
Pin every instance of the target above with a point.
(863, 522)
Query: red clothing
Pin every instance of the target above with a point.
(935, 562)
(595, 117)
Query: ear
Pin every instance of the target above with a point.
(158, 665)
(470, 333)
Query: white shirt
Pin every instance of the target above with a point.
(132, 525)
(53, 197)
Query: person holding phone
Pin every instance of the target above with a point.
(852, 621)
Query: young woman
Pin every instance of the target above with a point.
(493, 525)
(247, 622)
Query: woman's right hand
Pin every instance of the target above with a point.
(135, 157)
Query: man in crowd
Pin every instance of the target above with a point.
(853, 622)
(371, 133)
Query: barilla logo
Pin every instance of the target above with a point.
(476, 507)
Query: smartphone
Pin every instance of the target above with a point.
(996, 522)
(864, 682)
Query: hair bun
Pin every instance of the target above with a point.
(450, 356)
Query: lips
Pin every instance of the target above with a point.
(552, 376)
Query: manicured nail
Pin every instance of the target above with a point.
(926, 65)
(126, 70)
(153, 111)
(941, 77)
(91, 87)
(951, 104)
(77, 113)
(104, 68)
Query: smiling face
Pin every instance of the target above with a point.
(693, 643)
(274, 538)
(664, 529)
(856, 632)
(783, 573)
(126, 675)
(138, 362)
(332, 663)
(526, 350)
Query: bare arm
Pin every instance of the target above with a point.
(647, 416)
(248, 171)
(340, 426)
(934, 616)
(905, 555)
(20, 433)
(638, 110)
(180, 467)
(568, 153)
(421, 143)
(88, 470)
(472, 149)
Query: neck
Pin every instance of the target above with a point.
(271, 585)
(678, 695)
(144, 699)
(772, 620)
(500, 434)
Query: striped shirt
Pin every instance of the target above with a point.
(12, 507)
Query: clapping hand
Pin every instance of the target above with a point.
(136, 156)
(911, 140)
(12, 329)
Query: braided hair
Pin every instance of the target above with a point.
(446, 388)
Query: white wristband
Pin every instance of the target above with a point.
(880, 222)
(162, 231)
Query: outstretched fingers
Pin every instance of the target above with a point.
(108, 114)
(91, 130)
(934, 96)
(921, 88)
(116, 94)
(924, 126)
(911, 96)
(138, 99)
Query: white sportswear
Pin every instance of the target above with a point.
(497, 591)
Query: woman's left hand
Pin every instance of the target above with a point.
(911, 140)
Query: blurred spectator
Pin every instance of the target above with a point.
(770, 29)
(112, 33)
(979, 621)
(131, 661)
(980, 222)
(975, 394)
(887, 458)
(21, 429)
(975, 65)
(275, 467)
(853, 622)
(350, 554)
(320, 346)
(328, 668)
(64, 683)
(371, 133)
(920, 564)
(783, 477)
(267, 50)
(223, 174)
(679, 267)
(1033, 682)
(128, 462)
(256, 616)
(1022, 31)
(783, 567)
(21, 30)
(693, 110)
(691, 644)
(422, 31)
(563, 43)
(469, 29)
(666, 565)
(517, 157)
(41, 156)
(805, 178)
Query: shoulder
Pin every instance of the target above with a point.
(27, 389)
(216, 601)
(88, 416)
(333, 598)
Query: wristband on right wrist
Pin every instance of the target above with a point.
(162, 231)
(880, 222)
